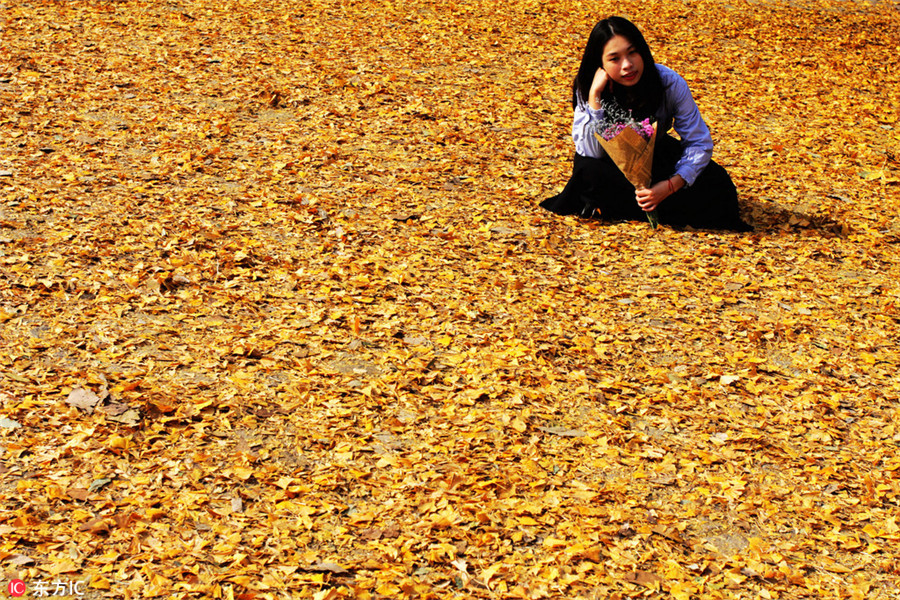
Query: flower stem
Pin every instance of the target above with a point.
(653, 218)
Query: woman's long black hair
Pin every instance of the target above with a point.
(643, 98)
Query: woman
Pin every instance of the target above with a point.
(687, 187)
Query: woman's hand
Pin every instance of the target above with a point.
(650, 198)
(600, 83)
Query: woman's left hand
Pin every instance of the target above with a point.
(649, 198)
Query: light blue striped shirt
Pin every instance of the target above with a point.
(678, 110)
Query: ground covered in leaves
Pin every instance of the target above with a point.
(280, 316)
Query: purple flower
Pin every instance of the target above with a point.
(615, 119)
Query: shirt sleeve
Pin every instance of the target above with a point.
(583, 130)
(695, 137)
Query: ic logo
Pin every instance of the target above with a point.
(16, 587)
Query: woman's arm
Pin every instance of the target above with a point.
(649, 198)
(586, 143)
(696, 140)
(583, 131)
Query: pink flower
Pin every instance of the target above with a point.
(616, 119)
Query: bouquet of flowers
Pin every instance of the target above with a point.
(629, 144)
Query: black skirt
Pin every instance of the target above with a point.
(598, 186)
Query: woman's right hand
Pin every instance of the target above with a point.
(601, 81)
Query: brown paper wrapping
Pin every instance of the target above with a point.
(632, 154)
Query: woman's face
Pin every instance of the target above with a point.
(622, 62)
